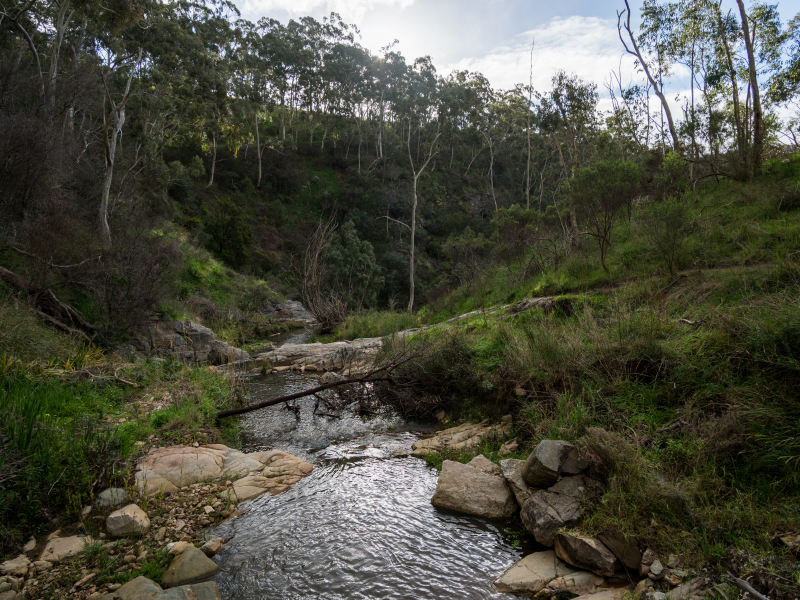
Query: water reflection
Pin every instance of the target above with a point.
(361, 525)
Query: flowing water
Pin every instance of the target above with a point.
(361, 525)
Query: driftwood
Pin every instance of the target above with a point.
(743, 585)
(379, 375)
(48, 307)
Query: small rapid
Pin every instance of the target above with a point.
(361, 525)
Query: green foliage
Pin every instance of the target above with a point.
(353, 268)
(663, 225)
(230, 234)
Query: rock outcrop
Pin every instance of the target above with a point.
(467, 489)
(586, 553)
(463, 437)
(550, 460)
(351, 358)
(533, 573)
(187, 342)
(290, 312)
(167, 469)
(512, 471)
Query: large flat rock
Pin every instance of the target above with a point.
(463, 437)
(190, 566)
(586, 553)
(171, 468)
(469, 490)
(533, 573)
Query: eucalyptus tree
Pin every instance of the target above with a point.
(567, 114)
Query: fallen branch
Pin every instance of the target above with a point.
(121, 380)
(743, 585)
(671, 284)
(368, 378)
(59, 325)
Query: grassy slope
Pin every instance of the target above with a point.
(686, 399)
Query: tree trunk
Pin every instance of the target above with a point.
(117, 115)
(258, 151)
(573, 220)
(213, 158)
(758, 128)
(638, 54)
(62, 22)
(740, 139)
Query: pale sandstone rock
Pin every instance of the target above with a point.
(485, 465)
(16, 566)
(111, 497)
(608, 594)
(211, 547)
(189, 567)
(463, 488)
(579, 582)
(168, 469)
(128, 521)
(462, 437)
(58, 549)
(533, 573)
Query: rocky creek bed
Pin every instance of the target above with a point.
(338, 505)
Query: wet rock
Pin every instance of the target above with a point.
(189, 567)
(211, 547)
(586, 553)
(549, 460)
(58, 549)
(512, 471)
(128, 521)
(16, 566)
(465, 489)
(625, 549)
(111, 497)
(533, 573)
(485, 465)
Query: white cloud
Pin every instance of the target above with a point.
(588, 46)
(352, 11)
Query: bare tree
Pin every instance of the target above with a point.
(326, 305)
(758, 127)
(111, 133)
(432, 151)
(638, 54)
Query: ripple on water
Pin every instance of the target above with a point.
(361, 527)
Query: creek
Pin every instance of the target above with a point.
(361, 525)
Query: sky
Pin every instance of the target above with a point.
(492, 36)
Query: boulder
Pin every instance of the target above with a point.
(128, 521)
(465, 489)
(625, 549)
(8, 595)
(137, 587)
(111, 497)
(579, 582)
(190, 566)
(222, 353)
(586, 553)
(211, 547)
(545, 513)
(533, 573)
(549, 460)
(509, 447)
(207, 590)
(648, 558)
(30, 546)
(58, 549)
(485, 465)
(16, 566)
(512, 471)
